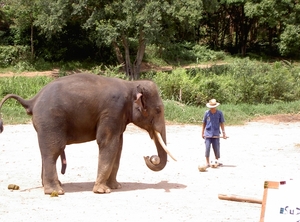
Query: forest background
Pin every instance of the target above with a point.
(251, 48)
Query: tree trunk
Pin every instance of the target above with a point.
(139, 55)
(118, 52)
(31, 38)
(128, 65)
(119, 55)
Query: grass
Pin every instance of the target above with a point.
(14, 115)
(177, 113)
(234, 114)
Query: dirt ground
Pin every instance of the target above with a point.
(145, 67)
(266, 149)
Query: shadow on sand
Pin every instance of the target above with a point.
(126, 186)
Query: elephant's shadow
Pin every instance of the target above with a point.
(126, 186)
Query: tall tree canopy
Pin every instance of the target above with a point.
(130, 25)
(83, 28)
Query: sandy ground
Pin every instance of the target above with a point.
(257, 152)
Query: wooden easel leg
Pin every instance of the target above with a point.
(263, 205)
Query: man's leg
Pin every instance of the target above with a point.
(207, 149)
(216, 147)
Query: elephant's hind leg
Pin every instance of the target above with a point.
(50, 152)
(50, 179)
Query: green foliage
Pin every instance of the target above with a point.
(12, 55)
(203, 54)
(175, 112)
(26, 87)
(12, 112)
(243, 81)
(67, 30)
(52, 16)
(177, 86)
(289, 44)
(177, 53)
(238, 114)
(182, 53)
(264, 83)
(153, 55)
(109, 71)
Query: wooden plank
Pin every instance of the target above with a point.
(238, 198)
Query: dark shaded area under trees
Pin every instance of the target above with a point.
(118, 32)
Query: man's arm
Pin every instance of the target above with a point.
(222, 125)
(203, 129)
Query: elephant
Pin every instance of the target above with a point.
(84, 107)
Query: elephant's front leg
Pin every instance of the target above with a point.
(112, 180)
(108, 164)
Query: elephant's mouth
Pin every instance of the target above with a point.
(157, 163)
(162, 143)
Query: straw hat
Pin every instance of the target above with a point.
(212, 103)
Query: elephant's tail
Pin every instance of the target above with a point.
(27, 104)
(63, 162)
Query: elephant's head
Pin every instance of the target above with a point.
(148, 113)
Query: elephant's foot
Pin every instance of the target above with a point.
(101, 188)
(113, 184)
(50, 188)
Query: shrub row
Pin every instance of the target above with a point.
(243, 81)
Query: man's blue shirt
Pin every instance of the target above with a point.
(212, 121)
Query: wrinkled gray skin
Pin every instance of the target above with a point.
(84, 107)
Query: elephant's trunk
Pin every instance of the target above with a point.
(159, 163)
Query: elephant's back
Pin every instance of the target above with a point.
(80, 83)
(81, 90)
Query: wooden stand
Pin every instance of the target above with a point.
(281, 202)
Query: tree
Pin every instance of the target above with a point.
(52, 16)
(271, 26)
(130, 25)
(228, 25)
(126, 25)
(22, 13)
(289, 44)
(4, 24)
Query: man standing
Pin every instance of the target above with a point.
(213, 120)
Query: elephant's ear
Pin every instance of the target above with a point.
(141, 103)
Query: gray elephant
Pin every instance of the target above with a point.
(84, 107)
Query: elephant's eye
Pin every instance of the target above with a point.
(158, 110)
(152, 121)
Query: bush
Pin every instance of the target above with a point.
(177, 86)
(181, 53)
(243, 81)
(263, 83)
(289, 44)
(203, 54)
(12, 55)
